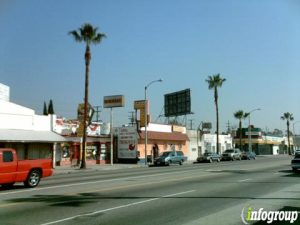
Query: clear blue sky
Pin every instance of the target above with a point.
(254, 44)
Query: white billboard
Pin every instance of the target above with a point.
(4, 92)
(113, 101)
(127, 143)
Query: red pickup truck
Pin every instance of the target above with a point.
(28, 171)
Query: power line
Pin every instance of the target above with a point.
(97, 111)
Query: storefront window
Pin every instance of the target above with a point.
(91, 152)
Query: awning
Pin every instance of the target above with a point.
(174, 136)
(10, 135)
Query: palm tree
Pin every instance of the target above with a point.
(288, 117)
(89, 35)
(240, 115)
(214, 82)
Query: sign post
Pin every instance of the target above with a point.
(111, 102)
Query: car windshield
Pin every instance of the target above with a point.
(165, 154)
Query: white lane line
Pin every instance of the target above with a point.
(245, 180)
(212, 170)
(92, 182)
(117, 207)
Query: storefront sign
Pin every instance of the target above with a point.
(127, 143)
(113, 101)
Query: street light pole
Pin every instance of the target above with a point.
(249, 129)
(146, 118)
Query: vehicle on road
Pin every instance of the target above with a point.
(29, 171)
(297, 152)
(169, 157)
(296, 163)
(209, 157)
(232, 154)
(248, 155)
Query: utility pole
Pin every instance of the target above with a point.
(131, 118)
(191, 123)
(97, 111)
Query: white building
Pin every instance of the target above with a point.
(201, 143)
(31, 135)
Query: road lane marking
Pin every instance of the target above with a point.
(121, 187)
(245, 180)
(94, 182)
(115, 208)
(213, 170)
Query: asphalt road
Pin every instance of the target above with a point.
(190, 194)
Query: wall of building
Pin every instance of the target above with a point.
(13, 116)
(200, 144)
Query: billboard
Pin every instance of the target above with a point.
(113, 101)
(178, 103)
(141, 105)
(127, 143)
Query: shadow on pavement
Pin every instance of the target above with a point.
(86, 198)
(290, 173)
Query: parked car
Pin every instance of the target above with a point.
(209, 157)
(169, 157)
(296, 163)
(30, 172)
(297, 152)
(248, 155)
(231, 154)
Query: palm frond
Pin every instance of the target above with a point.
(215, 81)
(98, 38)
(76, 35)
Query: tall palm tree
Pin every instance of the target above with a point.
(89, 35)
(240, 115)
(214, 82)
(288, 117)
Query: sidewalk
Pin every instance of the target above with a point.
(68, 169)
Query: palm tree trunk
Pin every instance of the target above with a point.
(288, 135)
(240, 130)
(217, 117)
(86, 100)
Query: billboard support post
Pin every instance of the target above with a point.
(111, 102)
(111, 137)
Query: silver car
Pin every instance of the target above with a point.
(296, 163)
(169, 157)
(232, 154)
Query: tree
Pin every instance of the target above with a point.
(50, 108)
(215, 82)
(89, 35)
(288, 117)
(240, 115)
(45, 111)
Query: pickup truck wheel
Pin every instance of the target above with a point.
(33, 179)
(181, 162)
